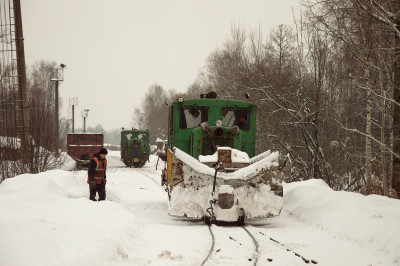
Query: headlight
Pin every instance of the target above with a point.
(218, 132)
(234, 130)
(205, 126)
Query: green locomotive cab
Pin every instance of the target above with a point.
(200, 126)
(135, 147)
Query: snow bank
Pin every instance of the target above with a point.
(351, 216)
(47, 219)
(311, 182)
(69, 163)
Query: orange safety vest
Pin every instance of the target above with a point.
(99, 171)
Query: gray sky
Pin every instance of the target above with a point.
(115, 50)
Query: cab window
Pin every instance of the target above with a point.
(190, 117)
(142, 136)
(235, 117)
(128, 136)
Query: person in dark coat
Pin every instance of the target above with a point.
(97, 175)
(240, 120)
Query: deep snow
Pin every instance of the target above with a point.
(47, 219)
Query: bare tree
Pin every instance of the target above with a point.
(42, 106)
(154, 113)
(364, 28)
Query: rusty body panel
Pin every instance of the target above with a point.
(82, 146)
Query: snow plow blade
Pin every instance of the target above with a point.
(222, 187)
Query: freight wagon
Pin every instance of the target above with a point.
(82, 146)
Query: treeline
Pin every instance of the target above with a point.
(327, 91)
(45, 142)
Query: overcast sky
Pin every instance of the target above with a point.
(115, 50)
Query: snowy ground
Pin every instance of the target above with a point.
(47, 219)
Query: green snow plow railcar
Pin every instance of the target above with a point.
(135, 147)
(212, 171)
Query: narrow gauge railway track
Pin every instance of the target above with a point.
(288, 249)
(228, 242)
(276, 252)
(234, 246)
(145, 173)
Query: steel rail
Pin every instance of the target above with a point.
(255, 256)
(212, 246)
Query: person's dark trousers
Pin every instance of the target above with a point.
(99, 188)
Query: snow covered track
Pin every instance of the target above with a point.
(151, 176)
(255, 245)
(231, 246)
(212, 246)
(290, 250)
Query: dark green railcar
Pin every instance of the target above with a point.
(135, 147)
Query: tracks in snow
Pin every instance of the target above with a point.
(290, 250)
(146, 173)
(142, 171)
(238, 246)
(231, 245)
